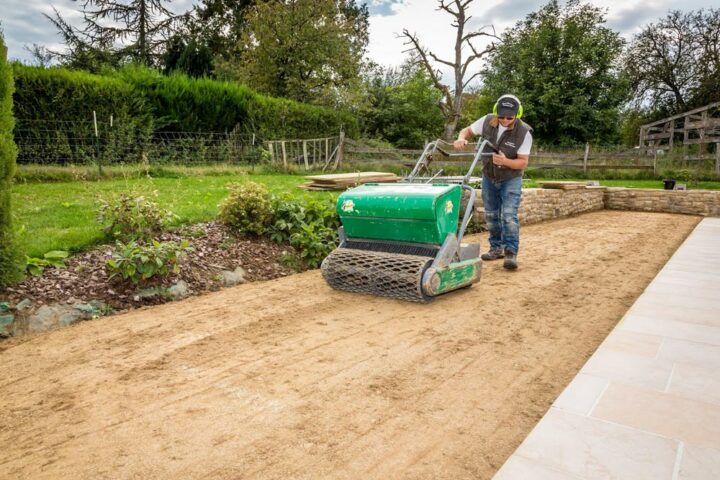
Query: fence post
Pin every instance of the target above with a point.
(327, 150)
(655, 162)
(97, 145)
(717, 158)
(305, 155)
(341, 150)
(585, 158)
(282, 145)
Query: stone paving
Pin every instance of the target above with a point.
(646, 405)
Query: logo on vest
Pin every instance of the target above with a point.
(510, 144)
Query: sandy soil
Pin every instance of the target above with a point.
(288, 379)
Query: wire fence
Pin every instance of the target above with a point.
(82, 143)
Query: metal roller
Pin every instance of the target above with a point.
(377, 273)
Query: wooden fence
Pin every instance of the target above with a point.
(312, 153)
(585, 160)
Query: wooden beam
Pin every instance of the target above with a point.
(681, 115)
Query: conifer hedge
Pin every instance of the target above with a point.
(9, 252)
(169, 103)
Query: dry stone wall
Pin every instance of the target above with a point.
(692, 202)
(539, 204)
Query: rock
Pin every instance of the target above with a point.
(49, 317)
(6, 324)
(179, 290)
(233, 278)
(25, 304)
(148, 293)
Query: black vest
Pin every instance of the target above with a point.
(508, 143)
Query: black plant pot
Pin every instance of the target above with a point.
(669, 184)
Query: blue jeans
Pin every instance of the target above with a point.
(501, 201)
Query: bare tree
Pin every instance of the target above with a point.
(451, 103)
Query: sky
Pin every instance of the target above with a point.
(23, 22)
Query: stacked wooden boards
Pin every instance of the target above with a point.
(342, 181)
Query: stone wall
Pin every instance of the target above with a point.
(539, 204)
(692, 202)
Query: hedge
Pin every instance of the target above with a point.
(47, 98)
(9, 251)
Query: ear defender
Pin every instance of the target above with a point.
(520, 107)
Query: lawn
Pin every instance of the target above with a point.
(61, 216)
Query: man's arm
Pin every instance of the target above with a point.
(520, 163)
(463, 137)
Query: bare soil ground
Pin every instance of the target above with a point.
(288, 379)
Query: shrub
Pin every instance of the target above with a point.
(130, 217)
(139, 263)
(10, 255)
(310, 228)
(247, 209)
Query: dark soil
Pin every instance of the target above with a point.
(214, 249)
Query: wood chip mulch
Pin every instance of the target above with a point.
(214, 249)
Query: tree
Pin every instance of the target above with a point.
(142, 26)
(675, 63)
(563, 64)
(219, 24)
(9, 251)
(451, 102)
(305, 50)
(402, 106)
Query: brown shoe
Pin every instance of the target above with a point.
(493, 254)
(510, 262)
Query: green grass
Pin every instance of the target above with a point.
(61, 216)
(533, 182)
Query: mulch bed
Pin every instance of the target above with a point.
(214, 249)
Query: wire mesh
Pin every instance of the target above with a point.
(76, 142)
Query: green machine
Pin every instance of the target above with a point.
(404, 240)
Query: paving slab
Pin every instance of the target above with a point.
(647, 403)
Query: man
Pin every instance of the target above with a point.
(502, 174)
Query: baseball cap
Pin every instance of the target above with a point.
(507, 107)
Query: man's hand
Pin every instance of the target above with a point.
(499, 159)
(460, 143)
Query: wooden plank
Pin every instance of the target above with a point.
(681, 115)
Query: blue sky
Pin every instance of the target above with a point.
(24, 24)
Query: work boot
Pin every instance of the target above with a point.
(510, 260)
(493, 254)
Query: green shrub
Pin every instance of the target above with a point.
(310, 228)
(247, 209)
(138, 263)
(127, 217)
(10, 255)
(55, 111)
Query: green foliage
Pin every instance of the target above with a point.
(247, 209)
(138, 263)
(561, 62)
(311, 227)
(127, 217)
(10, 255)
(142, 100)
(402, 107)
(36, 266)
(674, 63)
(306, 50)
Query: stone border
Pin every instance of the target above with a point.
(540, 204)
